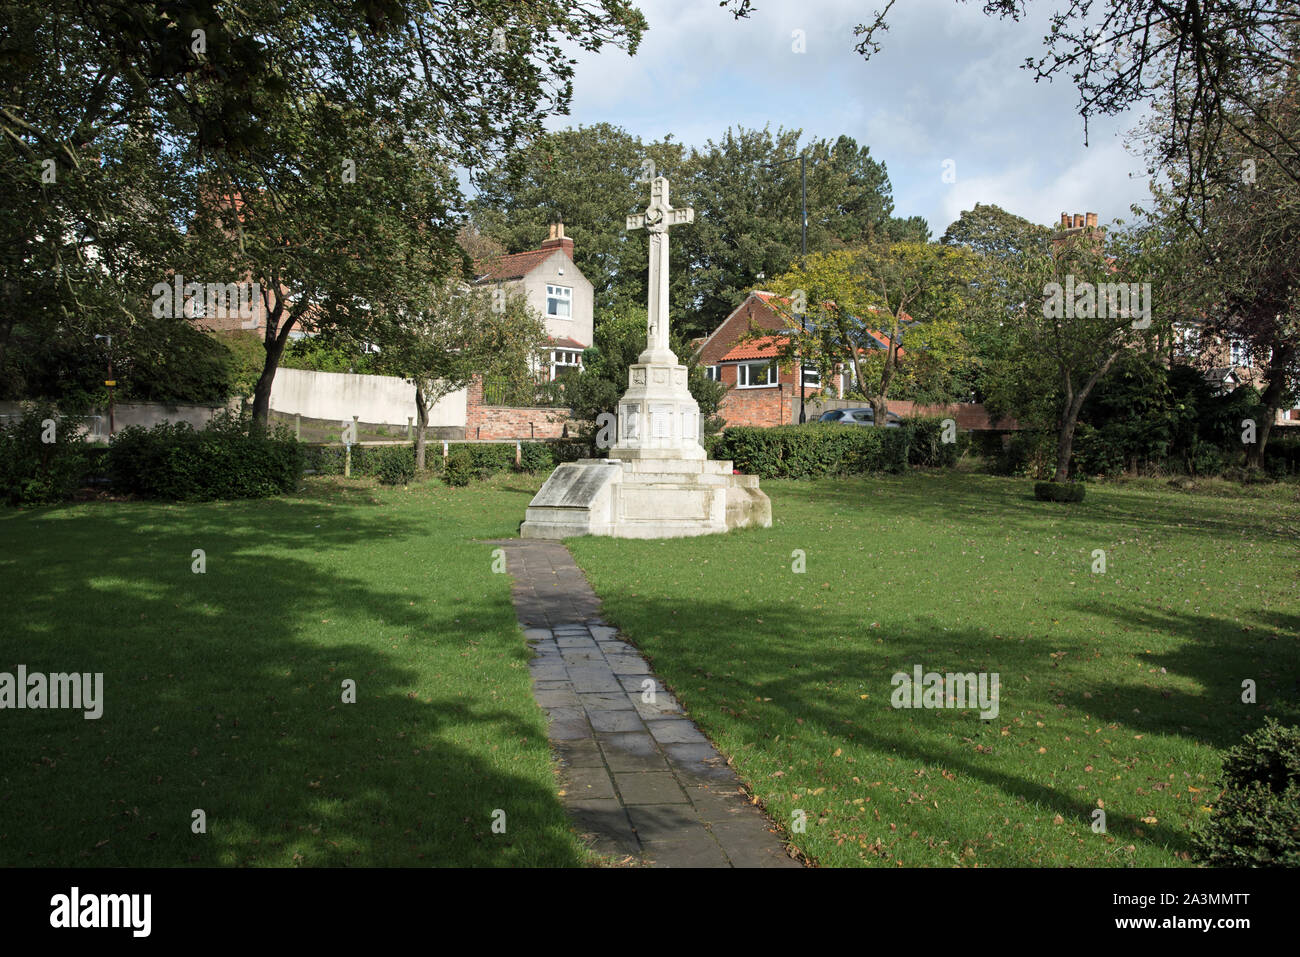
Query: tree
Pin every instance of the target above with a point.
(456, 332)
(991, 231)
(265, 104)
(863, 306)
(590, 178)
(745, 190)
(1241, 263)
(1071, 315)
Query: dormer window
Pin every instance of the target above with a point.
(559, 302)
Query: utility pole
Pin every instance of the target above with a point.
(110, 382)
(803, 252)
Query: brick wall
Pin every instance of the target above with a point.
(510, 422)
(763, 407)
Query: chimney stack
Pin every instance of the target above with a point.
(556, 239)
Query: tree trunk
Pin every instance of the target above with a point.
(1070, 418)
(1271, 399)
(421, 420)
(275, 341)
(1065, 442)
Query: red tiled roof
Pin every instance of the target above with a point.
(514, 266)
(567, 343)
(764, 347)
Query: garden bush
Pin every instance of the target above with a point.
(37, 472)
(459, 468)
(1256, 822)
(1059, 491)
(1028, 453)
(925, 445)
(225, 460)
(1096, 452)
(392, 464)
(536, 457)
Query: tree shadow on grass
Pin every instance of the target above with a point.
(223, 692)
(749, 672)
(1216, 654)
(1004, 505)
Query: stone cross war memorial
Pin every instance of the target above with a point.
(657, 482)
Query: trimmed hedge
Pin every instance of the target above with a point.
(1257, 820)
(223, 461)
(812, 451)
(395, 464)
(1059, 491)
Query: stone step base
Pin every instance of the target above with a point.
(597, 497)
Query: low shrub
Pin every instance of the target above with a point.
(392, 464)
(459, 470)
(1028, 453)
(225, 460)
(1256, 822)
(1097, 453)
(1059, 491)
(42, 457)
(925, 445)
(536, 457)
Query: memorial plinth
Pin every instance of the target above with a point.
(657, 482)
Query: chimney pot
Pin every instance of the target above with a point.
(1078, 220)
(1091, 219)
(1065, 220)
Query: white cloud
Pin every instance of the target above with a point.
(946, 84)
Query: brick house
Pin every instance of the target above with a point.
(762, 391)
(557, 289)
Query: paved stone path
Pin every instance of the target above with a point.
(639, 777)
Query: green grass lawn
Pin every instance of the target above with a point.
(1118, 690)
(223, 690)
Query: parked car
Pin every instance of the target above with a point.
(860, 417)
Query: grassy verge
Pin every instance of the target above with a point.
(223, 690)
(1119, 690)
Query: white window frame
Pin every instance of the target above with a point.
(812, 377)
(558, 294)
(743, 374)
(713, 373)
(1239, 355)
(565, 359)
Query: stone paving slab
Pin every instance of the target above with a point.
(638, 777)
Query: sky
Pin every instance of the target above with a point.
(946, 86)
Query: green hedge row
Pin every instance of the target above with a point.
(223, 461)
(811, 451)
(395, 464)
